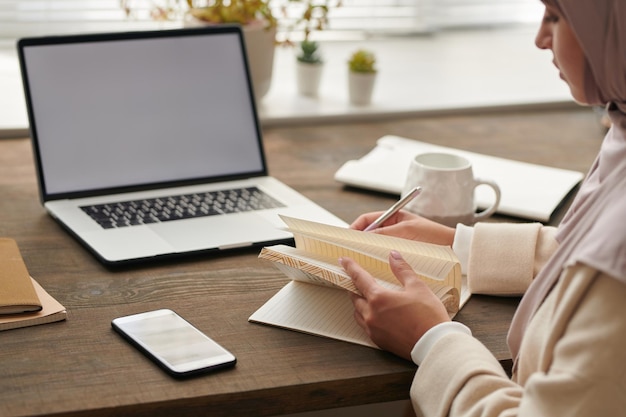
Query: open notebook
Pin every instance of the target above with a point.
(316, 301)
(529, 191)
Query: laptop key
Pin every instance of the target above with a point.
(145, 211)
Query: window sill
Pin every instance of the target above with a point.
(459, 71)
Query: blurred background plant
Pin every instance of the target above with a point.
(310, 16)
(309, 52)
(300, 17)
(362, 61)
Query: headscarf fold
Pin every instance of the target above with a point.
(593, 231)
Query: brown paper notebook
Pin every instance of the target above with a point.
(17, 293)
(52, 311)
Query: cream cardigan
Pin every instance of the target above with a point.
(573, 358)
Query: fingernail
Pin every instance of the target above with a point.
(395, 255)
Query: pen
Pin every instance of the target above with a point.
(394, 209)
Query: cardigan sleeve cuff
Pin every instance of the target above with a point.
(428, 340)
(462, 243)
(502, 258)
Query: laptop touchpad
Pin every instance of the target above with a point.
(223, 231)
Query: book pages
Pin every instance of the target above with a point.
(316, 301)
(301, 266)
(313, 309)
(434, 263)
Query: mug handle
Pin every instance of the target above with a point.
(492, 209)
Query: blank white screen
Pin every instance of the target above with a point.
(119, 113)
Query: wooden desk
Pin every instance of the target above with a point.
(80, 367)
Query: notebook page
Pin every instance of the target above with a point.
(306, 267)
(330, 252)
(430, 269)
(315, 310)
(302, 266)
(431, 261)
(369, 240)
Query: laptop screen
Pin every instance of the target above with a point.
(129, 110)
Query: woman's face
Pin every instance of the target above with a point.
(555, 34)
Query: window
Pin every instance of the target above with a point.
(355, 19)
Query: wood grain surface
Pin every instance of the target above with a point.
(80, 367)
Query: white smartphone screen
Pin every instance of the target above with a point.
(173, 342)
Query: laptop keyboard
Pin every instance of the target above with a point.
(155, 210)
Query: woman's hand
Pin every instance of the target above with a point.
(394, 320)
(408, 226)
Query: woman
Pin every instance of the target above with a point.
(568, 337)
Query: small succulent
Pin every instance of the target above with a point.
(309, 53)
(362, 61)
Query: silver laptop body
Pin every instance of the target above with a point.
(151, 119)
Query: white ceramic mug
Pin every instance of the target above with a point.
(448, 184)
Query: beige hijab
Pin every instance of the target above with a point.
(593, 231)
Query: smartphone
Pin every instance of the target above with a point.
(173, 343)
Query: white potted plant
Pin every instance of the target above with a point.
(255, 17)
(309, 68)
(361, 77)
(259, 19)
(312, 16)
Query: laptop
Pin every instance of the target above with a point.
(147, 144)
